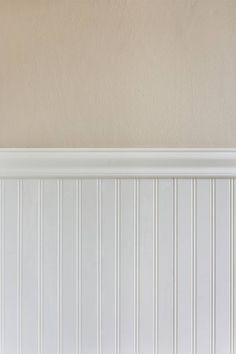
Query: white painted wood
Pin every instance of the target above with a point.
(185, 266)
(29, 269)
(29, 163)
(90, 328)
(69, 266)
(167, 277)
(49, 333)
(222, 267)
(9, 273)
(146, 328)
(109, 269)
(232, 267)
(127, 307)
(203, 250)
(117, 265)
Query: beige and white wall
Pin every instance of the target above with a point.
(118, 73)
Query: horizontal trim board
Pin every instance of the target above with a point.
(72, 163)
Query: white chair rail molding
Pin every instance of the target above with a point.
(117, 251)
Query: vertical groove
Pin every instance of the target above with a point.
(117, 266)
(155, 266)
(40, 267)
(232, 266)
(175, 266)
(136, 266)
(19, 266)
(99, 266)
(78, 266)
(59, 264)
(212, 299)
(194, 267)
(2, 265)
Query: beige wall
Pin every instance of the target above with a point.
(117, 73)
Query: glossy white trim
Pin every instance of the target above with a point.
(69, 163)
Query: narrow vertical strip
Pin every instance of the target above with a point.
(155, 266)
(212, 265)
(40, 267)
(232, 305)
(233, 271)
(1, 280)
(59, 264)
(136, 266)
(2, 265)
(19, 265)
(117, 266)
(194, 267)
(78, 266)
(99, 266)
(175, 266)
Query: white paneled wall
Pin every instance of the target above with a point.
(117, 266)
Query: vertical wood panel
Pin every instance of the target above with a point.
(69, 267)
(222, 271)
(166, 267)
(2, 266)
(50, 267)
(136, 265)
(59, 265)
(99, 266)
(78, 281)
(40, 265)
(117, 266)
(19, 264)
(213, 266)
(29, 262)
(89, 266)
(146, 285)
(185, 265)
(233, 269)
(10, 266)
(203, 235)
(127, 274)
(232, 201)
(108, 269)
(155, 266)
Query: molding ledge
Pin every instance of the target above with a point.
(72, 163)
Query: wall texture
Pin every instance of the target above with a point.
(117, 266)
(111, 73)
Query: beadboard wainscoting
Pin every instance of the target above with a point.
(117, 252)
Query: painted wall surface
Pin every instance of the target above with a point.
(117, 266)
(118, 73)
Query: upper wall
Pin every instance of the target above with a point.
(118, 73)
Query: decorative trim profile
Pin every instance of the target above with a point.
(72, 163)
